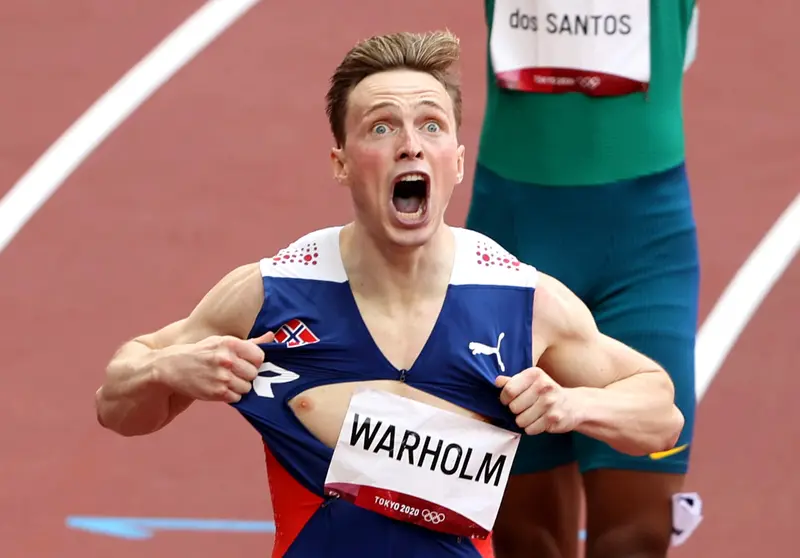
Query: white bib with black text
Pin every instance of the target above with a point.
(597, 47)
(420, 464)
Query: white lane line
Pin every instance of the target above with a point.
(41, 181)
(744, 295)
(715, 339)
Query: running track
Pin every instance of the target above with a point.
(226, 163)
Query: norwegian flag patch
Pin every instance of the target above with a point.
(295, 333)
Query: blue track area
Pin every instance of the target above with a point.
(137, 528)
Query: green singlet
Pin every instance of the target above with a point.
(556, 139)
(581, 174)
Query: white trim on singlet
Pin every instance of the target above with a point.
(479, 261)
(482, 261)
(314, 256)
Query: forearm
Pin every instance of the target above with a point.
(636, 416)
(133, 400)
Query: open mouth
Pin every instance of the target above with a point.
(410, 195)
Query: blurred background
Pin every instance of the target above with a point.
(217, 154)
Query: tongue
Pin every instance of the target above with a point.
(407, 205)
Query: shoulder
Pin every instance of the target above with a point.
(234, 303)
(231, 305)
(482, 260)
(228, 308)
(312, 256)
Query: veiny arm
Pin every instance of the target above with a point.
(618, 395)
(137, 396)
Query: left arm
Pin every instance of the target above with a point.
(589, 382)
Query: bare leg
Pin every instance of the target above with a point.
(629, 513)
(539, 516)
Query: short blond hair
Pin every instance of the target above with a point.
(436, 53)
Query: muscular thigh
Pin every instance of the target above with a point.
(540, 512)
(648, 300)
(535, 223)
(629, 512)
(539, 515)
(628, 249)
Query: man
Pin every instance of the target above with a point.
(581, 172)
(401, 363)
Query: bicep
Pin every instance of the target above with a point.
(229, 308)
(576, 353)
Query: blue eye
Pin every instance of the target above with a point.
(380, 129)
(432, 127)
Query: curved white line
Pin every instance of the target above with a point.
(36, 186)
(715, 339)
(744, 295)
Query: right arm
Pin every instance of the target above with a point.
(155, 377)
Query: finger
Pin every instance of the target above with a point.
(551, 421)
(267, 337)
(220, 392)
(501, 381)
(532, 413)
(542, 388)
(244, 370)
(238, 385)
(515, 386)
(524, 400)
(231, 397)
(222, 357)
(248, 351)
(537, 427)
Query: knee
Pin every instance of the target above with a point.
(524, 543)
(631, 541)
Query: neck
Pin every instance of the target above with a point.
(397, 274)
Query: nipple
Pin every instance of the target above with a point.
(303, 403)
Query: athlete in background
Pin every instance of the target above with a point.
(393, 317)
(581, 170)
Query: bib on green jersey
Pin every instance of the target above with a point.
(596, 47)
(585, 92)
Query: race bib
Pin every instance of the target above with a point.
(597, 47)
(420, 464)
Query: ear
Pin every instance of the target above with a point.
(460, 164)
(338, 165)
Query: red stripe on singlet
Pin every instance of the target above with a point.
(484, 546)
(292, 504)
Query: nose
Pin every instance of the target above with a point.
(410, 147)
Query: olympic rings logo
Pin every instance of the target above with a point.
(589, 82)
(432, 516)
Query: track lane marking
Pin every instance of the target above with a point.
(744, 294)
(716, 337)
(50, 171)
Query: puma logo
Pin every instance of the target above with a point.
(481, 349)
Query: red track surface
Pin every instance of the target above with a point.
(228, 162)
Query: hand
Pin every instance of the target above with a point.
(218, 368)
(541, 405)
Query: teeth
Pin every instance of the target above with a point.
(410, 177)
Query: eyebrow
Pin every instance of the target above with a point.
(388, 104)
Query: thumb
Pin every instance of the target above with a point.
(501, 381)
(267, 337)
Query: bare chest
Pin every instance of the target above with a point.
(401, 335)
